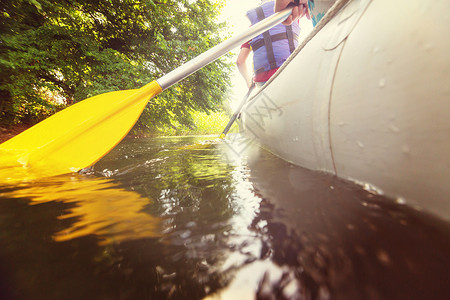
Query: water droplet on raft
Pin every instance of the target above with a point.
(394, 128)
(428, 47)
(400, 200)
(405, 149)
(383, 257)
(382, 82)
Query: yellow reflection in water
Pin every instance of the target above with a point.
(100, 207)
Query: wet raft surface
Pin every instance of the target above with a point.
(171, 219)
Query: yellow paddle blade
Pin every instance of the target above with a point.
(74, 138)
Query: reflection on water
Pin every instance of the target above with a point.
(188, 218)
(97, 206)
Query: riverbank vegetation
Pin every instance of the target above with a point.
(56, 53)
(204, 124)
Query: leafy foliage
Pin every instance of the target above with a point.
(74, 49)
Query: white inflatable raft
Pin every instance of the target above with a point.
(367, 99)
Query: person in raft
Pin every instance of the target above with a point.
(270, 49)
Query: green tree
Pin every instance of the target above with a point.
(74, 49)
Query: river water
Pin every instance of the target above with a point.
(195, 218)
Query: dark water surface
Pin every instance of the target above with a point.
(169, 218)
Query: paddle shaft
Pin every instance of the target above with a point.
(224, 47)
(236, 113)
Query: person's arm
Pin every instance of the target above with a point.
(241, 63)
(298, 11)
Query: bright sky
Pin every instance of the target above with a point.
(234, 12)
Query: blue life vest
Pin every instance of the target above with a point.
(273, 47)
